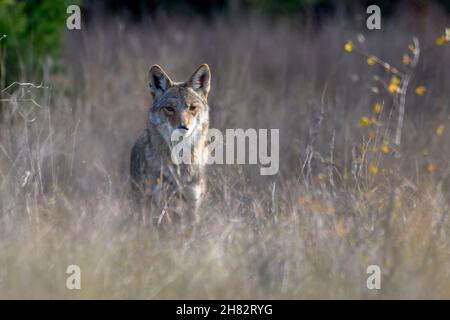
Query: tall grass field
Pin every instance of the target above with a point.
(364, 123)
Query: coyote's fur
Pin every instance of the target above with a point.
(176, 106)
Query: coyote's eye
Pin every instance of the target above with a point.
(193, 108)
(169, 110)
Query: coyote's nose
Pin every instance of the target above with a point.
(182, 126)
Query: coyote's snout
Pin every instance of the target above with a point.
(176, 106)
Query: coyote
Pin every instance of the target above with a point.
(178, 106)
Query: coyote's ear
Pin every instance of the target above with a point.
(158, 81)
(200, 80)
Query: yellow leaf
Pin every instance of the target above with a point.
(393, 88)
(371, 60)
(393, 85)
(373, 168)
(377, 108)
(395, 80)
(406, 59)
(385, 147)
(420, 90)
(364, 122)
(348, 46)
(440, 129)
(441, 40)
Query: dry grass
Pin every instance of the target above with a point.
(301, 234)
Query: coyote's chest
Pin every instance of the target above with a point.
(165, 174)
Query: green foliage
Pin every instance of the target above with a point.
(33, 31)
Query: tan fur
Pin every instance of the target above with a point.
(175, 105)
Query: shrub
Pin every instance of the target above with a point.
(33, 31)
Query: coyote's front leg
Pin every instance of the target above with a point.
(193, 195)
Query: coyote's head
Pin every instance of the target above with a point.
(179, 106)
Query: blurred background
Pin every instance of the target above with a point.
(38, 26)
